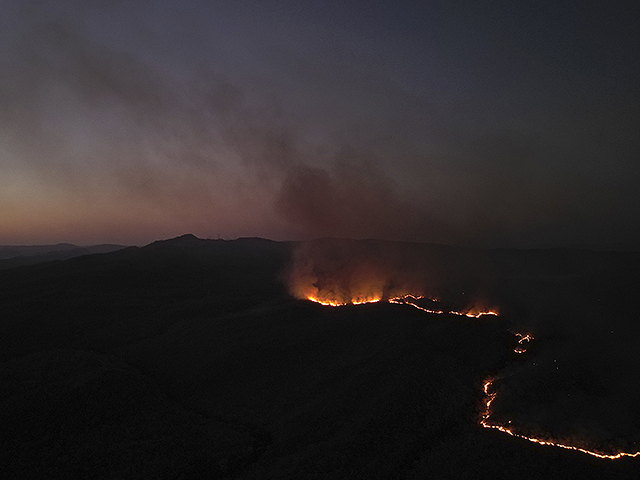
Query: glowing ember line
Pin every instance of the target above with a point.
(404, 301)
(522, 338)
(325, 302)
(413, 297)
(332, 303)
(360, 302)
(486, 414)
(489, 396)
(477, 315)
(407, 300)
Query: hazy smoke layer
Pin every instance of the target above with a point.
(125, 122)
(349, 270)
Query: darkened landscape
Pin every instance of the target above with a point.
(338, 239)
(188, 358)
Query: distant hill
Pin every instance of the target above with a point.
(10, 251)
(18, 255)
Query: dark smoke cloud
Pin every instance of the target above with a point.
(98, 124)
(195, 117)
(98, 121)
(352, 200)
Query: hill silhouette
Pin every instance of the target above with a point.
(189, 358)
(17, 255)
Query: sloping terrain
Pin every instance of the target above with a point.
(188, 358)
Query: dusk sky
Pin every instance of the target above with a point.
(463, 122)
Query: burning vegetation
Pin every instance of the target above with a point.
(523, 343)
(485, 420)
(337, 272)
(332, 273)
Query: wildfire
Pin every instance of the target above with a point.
(360, 302)
(400, 300)
(489, 398)
(335, 303)
(327, 303)
(522, 340)
(411, 299)
(475, 315)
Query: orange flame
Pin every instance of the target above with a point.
(407, 299)
(412, 299)
(489, 398)
(335, 303)
(522, 338)
(475, 315)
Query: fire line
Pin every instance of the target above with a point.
(402, 300)
(489, 396)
